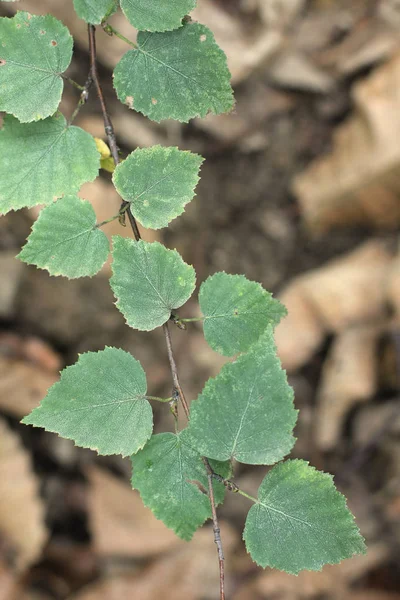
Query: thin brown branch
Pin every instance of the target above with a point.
(174, 370)
(178, 391)
(216, 529)
(210, 472)
(108, 126)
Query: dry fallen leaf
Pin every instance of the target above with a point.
(245, 52)
(347, 291)
(121, 524)
(189, 572)
(21, 508)
(349, 376)
(332, 583)
(28, 367)
(10, 272)
(358, 183)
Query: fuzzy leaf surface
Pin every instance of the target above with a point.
(301, 522)
(236, 312)
(94, 11)
(246, 412)
(159, 15)
(185, 74)
(172, 481)
(99, 403)
(66, 241)
(34, 52)
(158, 182)
(43, 161)
(149, 281)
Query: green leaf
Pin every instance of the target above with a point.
(236, 312)
(247, 411)
(99, 403)
(172, 481)
(34, 52)
(149, 281)
(43, 161)
(158, 15)
(301, 522)
(94, 11)
(158, 182)
(177, 75)
(66, 241)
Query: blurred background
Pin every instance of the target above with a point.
(300, 191)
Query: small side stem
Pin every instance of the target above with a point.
(157, 399)
(114, 218)
(109, 29)
(192, 320)
(83, 98)
(242, 493)
(74, 83)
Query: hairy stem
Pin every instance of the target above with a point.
(178, 391)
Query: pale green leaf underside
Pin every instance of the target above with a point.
(158, 182)
(99, 403)
(301, 522)
(34, 52)
(66, 241)
(247, 411)
(175, 75)
(157, 15)
(149, 281)
(94, 11)
(43, 161)
(167, 473)
(236, 312)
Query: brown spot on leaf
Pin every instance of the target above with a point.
(153, 101)
(2, 62)
(129, 101)
(53, 43)
(203, 37)
(18, 25)
(42, 31)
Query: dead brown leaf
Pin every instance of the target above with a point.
(189, 572)
(21, 509)
(28, 367)
(245, 51)
(359, 183)
(348, 291)
(349, 377)
(332, 583)
(120, 522)
(11, 271)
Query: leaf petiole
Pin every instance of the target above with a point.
(192, 320)
(157, 399)
(109, 30)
